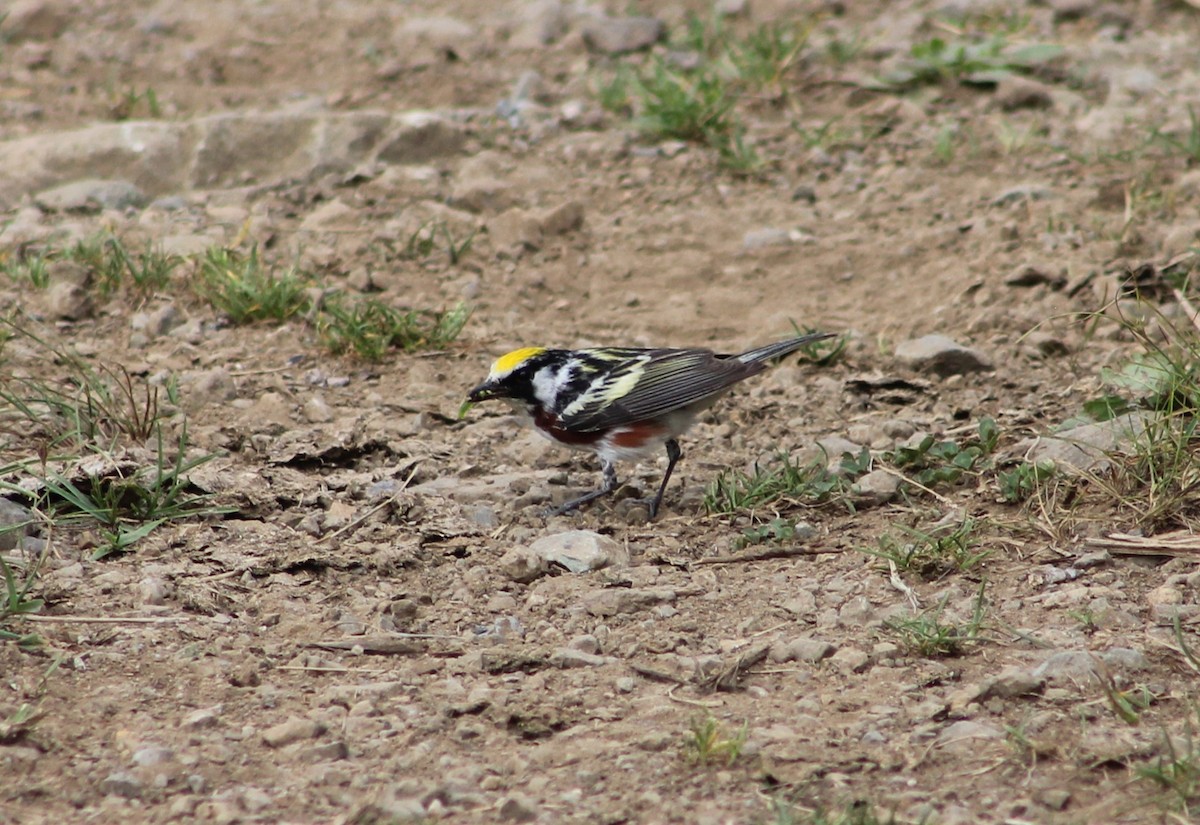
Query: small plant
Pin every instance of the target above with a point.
(1128, 705)
(1085, 617)
(370, 328)
(776, 531)
(926, 635)
(126, 104)
(129, 508)
(976, 63)
(1023, 481)
(766, 54)
(423, 242)
(87, 406)
(843, 51)
(933, 554)
(706, 742)
(1187, 144)
(860, 812)
(1177, 769)
(30, 268)
(733, 490)
(932, 462)
(15, 599)
(243, 288)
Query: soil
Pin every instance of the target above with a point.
(354, 642)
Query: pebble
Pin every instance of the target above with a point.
(968, 729)
(1086, 447)
(611, 602)
(294, 729)
(764, 238)
(203, 718)
(13, 515)
(876, 487)
(69, 301)
(90, 196)
(152, 755)
(942, 356)
(619, 35)
(122, 783)
(851, 660)
(802, 649)
(577, 551)
(518, 808)
(317, 411)
(566, 657)
(1015, 92)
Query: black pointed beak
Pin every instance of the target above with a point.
(481, 393)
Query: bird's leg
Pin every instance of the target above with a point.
(673, 456)
(610, 484)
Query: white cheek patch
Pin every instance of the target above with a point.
(548, 382)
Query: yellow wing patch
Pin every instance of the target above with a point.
(510, 361)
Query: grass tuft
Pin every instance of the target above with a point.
(370, 328)
(246, 290)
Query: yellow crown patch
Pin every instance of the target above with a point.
(510, 361)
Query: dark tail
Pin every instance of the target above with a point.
(781, 348)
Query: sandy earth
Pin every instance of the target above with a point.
(362, 641)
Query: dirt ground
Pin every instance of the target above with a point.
(354, 642)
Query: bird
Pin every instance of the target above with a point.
(621, 403)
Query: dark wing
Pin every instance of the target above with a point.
(654, 384)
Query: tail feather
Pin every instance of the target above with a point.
(781, 348)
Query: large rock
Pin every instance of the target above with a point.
(159, 157)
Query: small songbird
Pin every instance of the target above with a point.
(621, 403)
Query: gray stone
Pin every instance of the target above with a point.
(153, 755)
(969, 729)
(90, 196)
(1080, 665)
(34, 20)
(566, 657)
(158, 321)
(876, 487)
(482, 194)
(581, 551)
(294, 729)
(618, 35)
(561, 219)
(614, 601)
(942, 356)
(851, 660)
(514, 231)
(763, 238)
(801, 649)
(1016, 92)
(122, 783)
(522, 565)
(15, 520)
(1087, 446)
(203, 718)
(420, 137)
(829, 450)
(542, 23)
(69, 301)
(317, 411)
(518, 808)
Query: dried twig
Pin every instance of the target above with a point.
(899, 584)
(1181, 544)
(730, 678)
